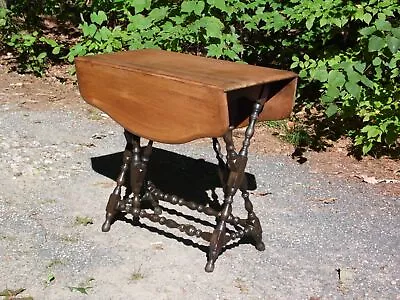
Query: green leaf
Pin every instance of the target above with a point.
(373, 131)
(360, 67)
(336, 78)
(353, 88)
(220, 4)
(98, 17)
(392, 63)
(367, 18)
(105, 33)
(367, 147)
(158, 14)
(396, 32)
(82, 290)
(393, 43)
(140, 5)
(332, 92)
(367, 82)
(188, 6)
(199, 8)
(377, 61)
(212, 25)
(375, 43)
(310, 22)
(89, 30)
(321, 75)
(383, 25)
(303, 73)
(214, 50)
(42, 55)
(353, 76)
(279, 21)
(367, 30)
(325, 99)
(56, 50)
(331, 110)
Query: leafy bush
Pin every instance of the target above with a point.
(188, 26)
(357, 83)
(32, 51)
(346, 52)
(31, 48)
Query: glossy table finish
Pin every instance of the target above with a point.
(175, 98)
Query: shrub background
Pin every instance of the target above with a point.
(346, 52)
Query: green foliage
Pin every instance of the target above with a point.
(32, 51)
(5, 24)
(358, 84)
(345, 52)
(193, 26)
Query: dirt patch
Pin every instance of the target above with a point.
(59, 89)
(383, 173)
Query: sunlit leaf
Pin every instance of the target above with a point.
(375, 43)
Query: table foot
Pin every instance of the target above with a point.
(107, 223)
(209, 266)
(216, 244)
(260, 246)
(253, 222)
(256, 232)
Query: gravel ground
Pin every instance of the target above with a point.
(315, 227)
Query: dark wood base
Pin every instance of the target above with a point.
(231, 172)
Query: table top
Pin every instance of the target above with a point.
(222, 74)
(175, 98)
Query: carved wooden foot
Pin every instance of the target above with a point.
(256, 232)
(111, 211)
(216, 244)
(219, 237)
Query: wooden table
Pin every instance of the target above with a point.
(175, 98)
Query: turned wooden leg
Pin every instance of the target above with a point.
(218, 237)
(252, 220)
(115, 197)
(233, 177)
(140, 158)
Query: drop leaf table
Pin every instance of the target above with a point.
(175, 98)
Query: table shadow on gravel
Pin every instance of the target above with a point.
(180, 175)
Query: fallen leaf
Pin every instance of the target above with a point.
(327, 200)
(82, 290)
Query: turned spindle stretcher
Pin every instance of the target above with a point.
(176, 98)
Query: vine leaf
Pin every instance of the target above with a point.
(375, 43)
(331, 110)
(393, 43)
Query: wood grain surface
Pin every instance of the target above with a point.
(174, 98)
